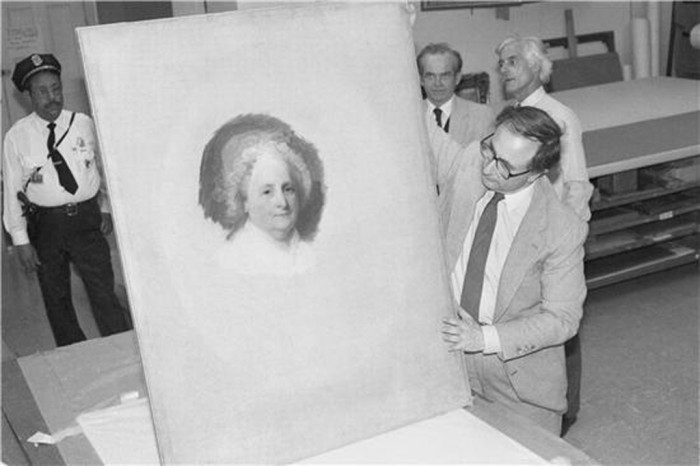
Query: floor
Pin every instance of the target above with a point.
(25, 327)
(640, 361)
(639, 390)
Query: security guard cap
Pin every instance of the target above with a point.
(33, 64)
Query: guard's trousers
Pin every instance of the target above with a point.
(62, 236)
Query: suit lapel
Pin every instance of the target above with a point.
(458, 117)
(524, 251)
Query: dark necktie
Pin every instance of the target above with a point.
(474, 277)
(65, 177)
(438, 116)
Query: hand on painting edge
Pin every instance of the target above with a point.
(463, 334)
(410, 6)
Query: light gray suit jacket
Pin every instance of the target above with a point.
(469, 121)
(542, 286)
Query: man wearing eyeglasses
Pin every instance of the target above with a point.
(440, 69)
(515, 255)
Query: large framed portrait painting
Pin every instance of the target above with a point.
(277, 223)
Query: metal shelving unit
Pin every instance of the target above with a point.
(644, 216)
(645, 230)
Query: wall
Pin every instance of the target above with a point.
(475, 33)
(117, 12)
(46, 27)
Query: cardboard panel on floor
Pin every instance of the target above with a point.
(275, 367)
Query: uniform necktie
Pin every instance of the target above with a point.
(65, 177)
(474, 277)
(438, 116)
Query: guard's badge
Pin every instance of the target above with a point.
(36, 59)
(36, 178)
(88, 163)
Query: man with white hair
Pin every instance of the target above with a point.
(525, 68)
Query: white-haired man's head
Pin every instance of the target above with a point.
(523, 65)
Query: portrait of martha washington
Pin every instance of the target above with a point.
(263, 184)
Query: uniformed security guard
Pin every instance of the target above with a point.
(52, 203)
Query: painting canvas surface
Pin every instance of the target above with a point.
(258, 367)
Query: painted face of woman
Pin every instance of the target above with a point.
(272, 200)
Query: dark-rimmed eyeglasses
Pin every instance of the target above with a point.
(502, 168)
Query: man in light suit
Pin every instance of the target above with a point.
(520, 286)
(440, 70)
(525, 68)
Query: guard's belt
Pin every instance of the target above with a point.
(69, 209)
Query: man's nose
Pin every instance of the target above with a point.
(487, 164)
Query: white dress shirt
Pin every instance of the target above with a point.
(572, 185)
(26, 163)
(446, 112)
(511, 211)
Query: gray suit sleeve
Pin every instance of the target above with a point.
(562, 285)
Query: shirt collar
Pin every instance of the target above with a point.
(446, 107)
(61, 121)
(533, 98)
(518, 201)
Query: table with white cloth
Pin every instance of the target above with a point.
(50, 391)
